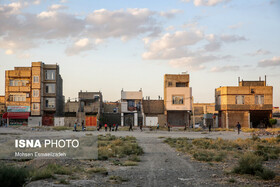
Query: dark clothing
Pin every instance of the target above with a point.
(117, 127)
(210, 128)
(238, 128)
(130, 128)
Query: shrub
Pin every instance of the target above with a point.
(266, 174)
(13, 176)
(249, 163)
(130, 163)
(58, 169)
(204, 156)
(134, 158)
(98, 170)
(42, 174)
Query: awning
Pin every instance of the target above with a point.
(16, 115)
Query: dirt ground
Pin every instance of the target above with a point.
(160, 165)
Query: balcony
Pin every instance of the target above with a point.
(19, 89)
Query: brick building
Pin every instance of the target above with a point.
(204, 114)
(153, 111)
(33, 91)
(177, 99)
(250, 103)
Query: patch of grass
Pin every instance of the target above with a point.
(63, 181)
(251, 164)
(100, 170)
(41, 174)
(134, 158)
(130, 163)
(58, 169)
(231, 180)
(117, 179)
(11, 176)
(113, 147)
(61, 128)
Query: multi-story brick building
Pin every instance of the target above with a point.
(250, 103)
(204, 114)
(177, 99)
(34, 91)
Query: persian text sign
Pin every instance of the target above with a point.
(18, 109)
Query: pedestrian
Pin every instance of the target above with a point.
(83, 127)
(117, 125)
(157, 126)
(209, 126)
(238, 127)
(113, 128)
(75, 126)
(110, 127)
(130, 127)
(100, 126)
(105, 127)
(168, 127)
(141, 126)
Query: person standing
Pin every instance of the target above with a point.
(105, 127)
(209, 126)
(168, 126)
(75, 126)
(114, 125)
(83, 127)
(117, 125)
(157, 126)
(110, 127)
(130, 127)
(141, 126)
(238, 127)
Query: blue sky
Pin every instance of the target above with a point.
(113, 44)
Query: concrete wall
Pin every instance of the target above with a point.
(69, 121)
(59, 121)
(186, 92)
(34, 121)
(131, 95)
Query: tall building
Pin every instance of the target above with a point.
(177, 99)
(250, 103)
(34, 91)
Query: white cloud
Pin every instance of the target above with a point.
(171, 13)
(225, 68)
(172, 45)
(207, 2)
(275, 61)
(36, 2)
(259, 52)
(47, 14)
(9, 52)
(79, 46)
(57, 7)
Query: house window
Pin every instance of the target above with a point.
(239, 99)
(50, 75)
(177, 100)
(181, 84)
(259, 99)
(35, 79)
(35, 106)
(50, 103)
(17, 98)
(35, 93)
(50, 88)
(169, 84)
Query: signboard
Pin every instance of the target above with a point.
(18, 109)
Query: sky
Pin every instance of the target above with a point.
(110, 45)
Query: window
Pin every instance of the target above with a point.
(35, 106)
(35, 93)
(50, 88)
(17, 98)
(169, 84)
(239, 99)
(35, 79)
(218, 100)
(259, 99)
(50, 75)
(50, 103)
(181, 84)
(177, 100)
(18, 82)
